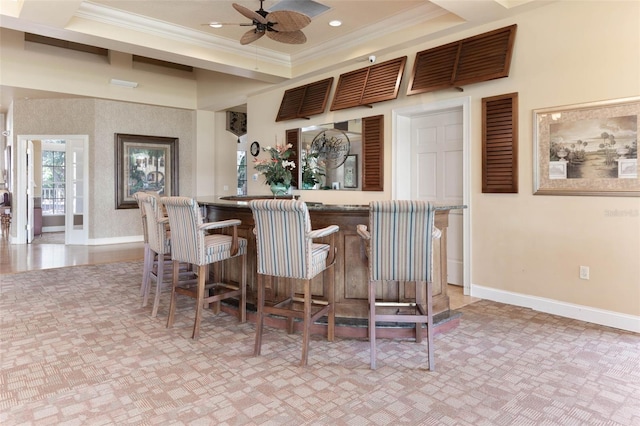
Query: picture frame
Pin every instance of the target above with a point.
(351, 171)
(587, 149)
(144, 163)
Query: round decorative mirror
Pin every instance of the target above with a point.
(332, 147)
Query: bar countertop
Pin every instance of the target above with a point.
(242, 201)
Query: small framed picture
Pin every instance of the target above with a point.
(351, 171)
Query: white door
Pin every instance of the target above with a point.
(30, 190)
(437, 175)
(76, 185)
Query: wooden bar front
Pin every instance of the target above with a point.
(351, 270)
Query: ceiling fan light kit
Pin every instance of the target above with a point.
(281, 25)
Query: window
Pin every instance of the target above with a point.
(242, 173)
(53, 177)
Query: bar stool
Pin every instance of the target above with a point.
(400, 248)
(191, 244)
(285, 249)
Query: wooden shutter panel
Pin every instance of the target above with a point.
(485, 57)
(349, 90)
(472, 60)
(369, 85)
(500, 144)
(373, 153)
(292, 136)
(433, 69)
(304, 101)
(383, 81)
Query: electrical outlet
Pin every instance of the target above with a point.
(584, 272)
(225, 188)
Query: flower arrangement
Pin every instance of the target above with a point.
(311, 171)
(277, 168)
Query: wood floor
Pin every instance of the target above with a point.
(26, 257)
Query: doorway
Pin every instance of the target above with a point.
(77, 188)
(433, 140)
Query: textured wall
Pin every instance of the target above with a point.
(101, 119)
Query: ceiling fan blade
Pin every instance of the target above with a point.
(250, 13)
(251, 36)
(241, 24)
(289, 37)
(288, 20)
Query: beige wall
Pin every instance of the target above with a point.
(527, 249)
(100, 120)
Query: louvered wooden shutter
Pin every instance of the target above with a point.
(500, 144)
(373, 153)
(369, 85)
(305, 101)
(292, 136)
(472, 60)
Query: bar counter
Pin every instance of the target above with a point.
(351, 270)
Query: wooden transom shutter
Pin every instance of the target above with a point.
(369, 85)
(305, 101)
(292, 136)
(500, 144)
(373, 153)
(472, 60)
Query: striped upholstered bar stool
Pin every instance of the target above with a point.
(285, 249)
(158, 237)
(191, 243)
(400, 250)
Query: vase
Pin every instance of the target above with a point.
(279, 189)
(307, 185)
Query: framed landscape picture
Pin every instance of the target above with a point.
(587, 149)
(144, 163)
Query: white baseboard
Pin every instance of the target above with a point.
(53, 228)
(563, 309)
(116, 240)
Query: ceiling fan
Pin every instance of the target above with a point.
(282, 25)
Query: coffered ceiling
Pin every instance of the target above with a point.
(177, 30)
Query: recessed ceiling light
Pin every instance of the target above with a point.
(215, 25)
(335, 23)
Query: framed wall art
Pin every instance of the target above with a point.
(351, 171)
(587, 149)
(144, 163)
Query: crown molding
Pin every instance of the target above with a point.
(113, 17)
(416, 16)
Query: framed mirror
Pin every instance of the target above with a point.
(326, 164)
(329, 156)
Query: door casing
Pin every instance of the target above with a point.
(401, 152)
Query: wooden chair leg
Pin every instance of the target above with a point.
(159, 284)
(146, 267)
(331, 315)
(174, 284)
(259, 316)
(306, 326)
(147, 285)
(243, 290)
(290, 323)
(199, 301)
(372, 323)
(430, 348)
(419, 299)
